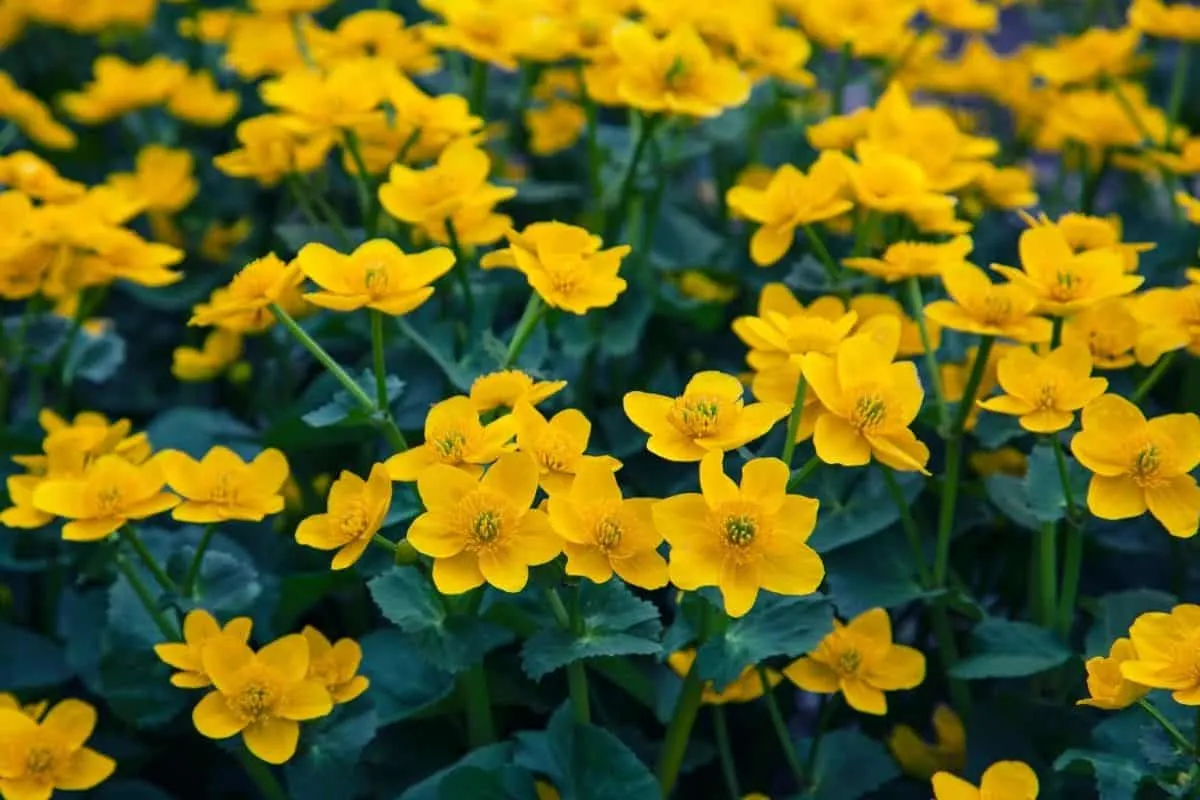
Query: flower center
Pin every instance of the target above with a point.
(254, 702)
(225, 491)
(108, 500)
(376, 278)
(40, 761)
(450, 446)
(486, 526)
(996, 309)
(698, 415)
(608, 533)
(353, 521)
(1146, 465)
(554, 452)
(1067, 286)
(1047, 397)
(848, 661)
(740, 529)
(869, 412)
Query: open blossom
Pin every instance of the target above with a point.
(1096, 53)
(1044, 392)
(355, 511)
(199, 630)
(509, 387)
(42, 755)
(1139, 465)
(163, 178)
(111, 492)
(904, 260)
(334, 665)
(921, 759)
(1107, 687)
(1108, 329)
(455, 436)
(1169, 320)
(785, 329)
(221, 350)
(377, 275)
(741, 538)
(1004, 780)
(246, 298)
(221, 486)
(977, 305)
(1177, 20)
(1163, 653)
(557, 445)
(709, 415)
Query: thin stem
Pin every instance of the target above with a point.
(725, 751)
(261, 776)
(377, 353)
(864, 232)
(802, 474)
(781, 730)
(130, 537)
(1064, 475)
(943, 633)
(1130, 112)
(916, 307)
(911, 532)
(793, 424)
(332, 217)
(1047, 560)
(460, 268)
(477, 94)
(306, 56)
(424, 345)
(641, 131)
(1148, 383)
(481, 728)
(824, 717)
(525, 327)
(362, 180)
(1178, 90)
(679, 730)
(296, 187)
(193, 572)
(576, 674)
(838, 90)
(147, 600)
(1167, 726)
(823, 254)
(385, 543)
(1072, 568)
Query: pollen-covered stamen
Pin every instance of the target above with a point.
(254, 702)
(449, 445)
(698, 415)
(676, 73)
(353, 521)
(485, 526)
(553, 453)
(1067, 286)
(225, 489)
(868, 413)
(740, 529)
(996, 309)
(40, 760)
(108, 499)
(376, 278)
(1146, 464)
(1047, 397)
(848, 661)
(608, 532)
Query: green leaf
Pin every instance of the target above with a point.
(226, 583)
(1116, 613)
(877, 573)
(849, 766)
(137, 689)
(44, 336)
(342, 409)
(489, 758)
(1003, 648)
(1117, 778)
(1010, 497)
(403, 682)
(776, 626)
(450, 642)
(506, 783)
(585, 762)
(194, 430)
(615, 623)
(28, 660)
(868, 511)
(328, 764)
(95, 358)
(1043, 487)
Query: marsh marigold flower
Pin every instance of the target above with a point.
(790, 200)
(355, 511)
(1044, 392)
(455, 436)
(335, 666)
(962, 15)
(221, 486)
(119, 87)
(785, 328)
(977, 305)
(1108, 329)
(269, 149)
(1107, 687)
(197, 100)
(163, 178)
(483, 530)
(263, 696)
(199, 630)
(746, 688)
(509, 387)
(1140, 465)
(111, 492)
(243, 303)
(1169, 320)
(317, 102)
(377, 275)
(1004, 780)
(709, 415)
(1096, 53)
(1178, 20)
(860, 660)
(921, 759)
(741, 538)
(220, 351)
(872, 309)
(868, 402)
(903, 260)
(604, 533)
(894, 184)
(556, 444)
(1163, 655)
(41, 756)
(564, 265)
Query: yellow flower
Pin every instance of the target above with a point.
(868, 27)
(564, 265)
(1190, 206)
(1108, 329)
(162, 179)
(1084, 232)
(39, 757)
(198, 101)
(218, 240)
(221, 349)
(355, 510)
(335, 666)
(30, 114)
(675, 74)
(384, 34)
(1169, 319)
(557, 445)
(1164, 655)
(1005, 461)
(1004, 780)
(868, 403)
(922, 759)
(859, 659)
(1044, 392)
(200, 629)
(894, 184)
(1008, 187)
(791, 199)
(508, 388)
(746, 689)
(1096, 53)
(242, 304)
(221, 486)
(270, 149)
(774, 51)
(377, 275)
(1139, 464)
(262, 695)
(1175, 21)
(34, 711)
(785, 329)
(872, 309)
(112, 492)
(962, 15)
(319, 102)
(698, 286)
(455, 436)
(979, 306)
(1107, 687)
(455, 185)
(554, 127)
(483, 530)
(483, 30)
(120, 87)
(604, 533)
(708, 416)
(741, 539)
(840, 131)
(904, 260)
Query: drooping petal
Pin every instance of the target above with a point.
(273, 740)
(457, 574)
(1176, 504)
(812, 676)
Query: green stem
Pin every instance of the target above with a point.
(147, 600)
(261, 776)
(1168, 726)
(1047, 560)
(460, 269)
(296, 188)
(911, 532)
(362, 181)
(306, 56)
(1178, 90)
(377, 353)
(193, 573)
(576, 674)
(838, 90)
(801, 475)
(824, 717)
(943, 634)
(481, 729)
(864, 232)
(332, 217)
(679, 730)
(1064, 475)
(1148, 383)
(1130, 112)
(477, 94)
(641, 131)
(1072, 568)
(130, 537)
(725, 751)
(781, 730)
(88, 302)
(525, 327)
(823, 254)
(424, 345)
(793, 424)
(385, 543)
(591, 137)
(916, 307)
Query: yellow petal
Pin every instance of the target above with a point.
(457, 574)
(812, 676)
(1176, 504)
(515, 476)
(1009, 779)
(717, 487)
(288, 656)
(1115, 498)
(213, 717)
(85, 769)
(272, 740)
(863, 697)
(305, 700)
(70, 722)
(838, 442)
